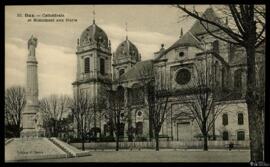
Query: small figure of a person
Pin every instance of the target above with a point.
(231, 146)
(68, 139)
(139, 146)
(132, 145)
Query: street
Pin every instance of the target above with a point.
(164, 155)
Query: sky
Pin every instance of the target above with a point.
(148, 26)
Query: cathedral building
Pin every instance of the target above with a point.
(176, 69)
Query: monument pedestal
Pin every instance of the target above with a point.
(21, 149)
(28, 133)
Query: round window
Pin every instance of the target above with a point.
(139, 113)
(183, 76)
(181, 54)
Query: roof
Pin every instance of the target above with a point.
(189, 38)
(93, 33)
(210, 14)
(127, 48)
(136, 71)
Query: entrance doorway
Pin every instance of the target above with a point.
(183, 131)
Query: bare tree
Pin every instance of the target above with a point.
(53, 108)
(157, 99)
(116, 112)
(200, 96)
(248, 31)
(146, 77)
(82, 111)
(15, 101)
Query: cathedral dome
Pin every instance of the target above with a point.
(126, 49)
(94, 33)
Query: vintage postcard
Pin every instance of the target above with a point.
(135, 83)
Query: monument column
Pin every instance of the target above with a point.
(30, 119)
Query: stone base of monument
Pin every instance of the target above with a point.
(20, 149)
(26, 133)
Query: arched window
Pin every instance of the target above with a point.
(238, 79)
(122, 71)
(122, 129)
(261, 76)
(137, 94)
(223, 79)
(216, 46)
(139, 128)
(240, 135)
(225, 135)
(240, 118)
(102, 66)
(106, 128)
(121, 95)
(225, 119)
(215, 66)
(87, 65)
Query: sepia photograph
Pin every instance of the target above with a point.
(135, 83)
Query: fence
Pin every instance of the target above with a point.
(163, 145)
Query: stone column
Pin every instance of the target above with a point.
(31, 121)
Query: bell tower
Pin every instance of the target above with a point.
(93, 62)
(125, 56)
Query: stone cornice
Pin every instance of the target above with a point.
(91, 49)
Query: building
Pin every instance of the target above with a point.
(176, 69)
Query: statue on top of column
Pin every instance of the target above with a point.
(32, 44)
(32, 41)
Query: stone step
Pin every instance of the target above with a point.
(32, 148)
(69, 154)
(73, 150)
(7, 141)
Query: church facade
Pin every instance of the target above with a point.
(176, 69)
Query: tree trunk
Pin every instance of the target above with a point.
(130, 137)
(255, 133)
(54, 128)
(214, 124)
(17, 132)
(254, 114)
(157, 141)
(117, 141)
(214, 133)
(78, 129)
(95, 124)
(205, 137)
(83, 141)
(205, 142)
(150, 124)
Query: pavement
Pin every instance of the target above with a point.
(164, 155)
